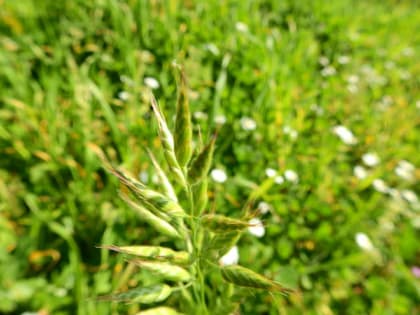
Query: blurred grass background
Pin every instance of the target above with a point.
(72, 73)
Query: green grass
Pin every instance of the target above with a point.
(62, 65)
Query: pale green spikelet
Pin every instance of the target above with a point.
(167, 186)
(125, 178)
(99, 153)
(183, 128)
(162, 203)
(163, 129)
(145, 295)
(245, 277)
(221, 224)
(154, 198)
(162, 310)
(223, 242)
(201, 164)
(165, 270)
(200, 196)
(158, 223)
(152, 253)
(168, 143)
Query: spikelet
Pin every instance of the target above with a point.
(200, 196)
(221, 224)
(223, 242)
(167, 186)
(245, 277)
(183, 128)
(145, 295)
(201, 165)
(165, 270)
(149, 197)
(152, 253)
(99, 153)
(163, 310)
(167, 143)
(162, 203)
(155, 221)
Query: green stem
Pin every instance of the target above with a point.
(199, 289)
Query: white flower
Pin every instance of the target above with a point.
(318, 110)
(405, 75)
(324, 61)
(352, 88)
(60, 292)
(218, 175)
(328, 71)
(389, 64)
(270, 172)
(367, 69)
(213, 49)
(370, 159)
(345, 135)
(220, 119)
(124, 95)
(380, 186)
(343, 60)
(279, 179)
(290, 131)
(200, 115)
(248, 124)
(363, 241)
(256, 227)
(410, 196)
(353, 79)
(291, 176)
(405, 170)
(263, 207)
(230, 258)
(360, 172)
(406, 165)
(408, 51)
(144, 176)
(151, 83)
(394, 193)
(241, 27)
(126, 80)
(387, 100)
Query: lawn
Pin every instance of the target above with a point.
(316, 106)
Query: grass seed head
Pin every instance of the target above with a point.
(155, 221)
(162, 203)
(183, 128)
(221, 224)
(223, 242)
(152, 253)
(145, 295)
(200, 196)
(157, 200)
(201, 165)
(168, 144)
(165, 270)
(245, 277)
(167, 186)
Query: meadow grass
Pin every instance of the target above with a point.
(283, 74)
